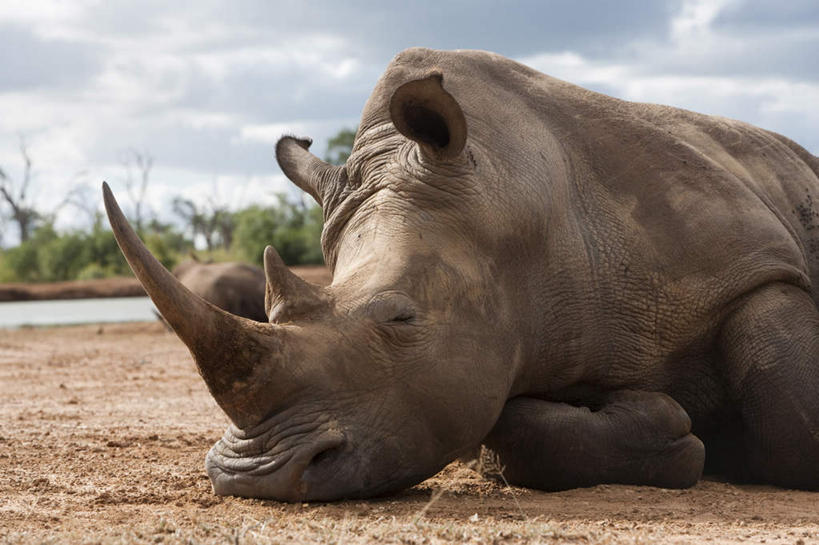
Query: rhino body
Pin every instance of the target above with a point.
(592, 287)
(237, 288)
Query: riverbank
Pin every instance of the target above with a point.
(114, 287)
(75, 289)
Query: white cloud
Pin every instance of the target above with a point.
(318, 130)
(43, 13)
(572, 67)
(271, 132)
(756, 100)
(695, 18)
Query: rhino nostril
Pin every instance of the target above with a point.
(326, 455)
(328, 448)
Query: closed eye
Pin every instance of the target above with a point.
(391, 308)
(404, 317)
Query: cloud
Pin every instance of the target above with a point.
(702, 65)
(30, 62)
(207, 88)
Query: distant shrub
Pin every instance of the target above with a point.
(93, 271)
(292, 228)
(20, 264)
(62, 258)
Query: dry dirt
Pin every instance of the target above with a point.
(103, 432)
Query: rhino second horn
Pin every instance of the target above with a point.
(234, 355)
(318, 178)
(287, 294)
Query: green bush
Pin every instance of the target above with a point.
(93, 271)
(293, 229)
(62, 258)
(101, 249)
(20, 264)
(255, 227)
(161, 250)
(49, 257)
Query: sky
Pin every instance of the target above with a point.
(206, 88)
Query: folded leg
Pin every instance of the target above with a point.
(632, 438)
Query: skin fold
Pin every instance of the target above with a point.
(601, 291)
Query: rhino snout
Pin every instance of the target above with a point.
(247, 467)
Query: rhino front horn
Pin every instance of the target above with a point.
(239, 359)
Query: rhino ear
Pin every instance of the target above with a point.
(424, 112)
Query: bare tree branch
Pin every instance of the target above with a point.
(137, 189)
(86, 200)
(26, 169)
(22, 212)
(73, 196)
(17, 196)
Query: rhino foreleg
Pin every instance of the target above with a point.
(770, 346)
(632, 438)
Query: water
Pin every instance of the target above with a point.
(76, 311)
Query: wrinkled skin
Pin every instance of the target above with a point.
(235, 287)
(590, 286)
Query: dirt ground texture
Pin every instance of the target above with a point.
(104, 430)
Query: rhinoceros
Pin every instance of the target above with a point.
(235, 287)
(593, 288)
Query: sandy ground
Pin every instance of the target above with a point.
(114, 287)
(103, 432)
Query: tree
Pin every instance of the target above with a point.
(194, 218)
(136, 184)
(255, 227)
(214, 222)
(102, 254)
(166, 243)
(291, 227)
(16, 197)
(340, 146)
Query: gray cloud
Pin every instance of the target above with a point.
(29, 61)
(207, 88)
(768, 15)
(511, 29)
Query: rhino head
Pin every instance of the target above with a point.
(399, 366)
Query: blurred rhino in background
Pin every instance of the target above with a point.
(235, 287)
